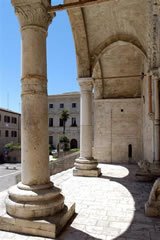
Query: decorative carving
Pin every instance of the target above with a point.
(86, 84)
(33, 15)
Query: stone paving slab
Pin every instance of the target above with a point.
(110, 207)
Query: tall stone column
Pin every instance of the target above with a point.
(35, 197)
(156, 120)
(85, 165)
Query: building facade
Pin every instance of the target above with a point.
(56, 104)
(9, 127)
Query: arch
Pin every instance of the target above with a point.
(73, 143)
(98, 52)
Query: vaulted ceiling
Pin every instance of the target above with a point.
(111, 40)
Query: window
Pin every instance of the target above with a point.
(61, 105)
(51, 105)
(50, 140)
(6, 133)
(61, 122)
(14, 120)
(0, 133)
(73, 105)
(0, 117)
(130, 150)
(7, 119)
(13, 134)
(50, 122)
(73, 122)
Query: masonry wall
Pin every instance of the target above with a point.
(118, 124)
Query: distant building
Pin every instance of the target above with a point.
(9, 127)
(56, 104)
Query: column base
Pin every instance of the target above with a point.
(44, 227)
(36, 210)
(87, 173)
(86, 168)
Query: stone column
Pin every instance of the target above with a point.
(85, 165)
(156, 120)
(35, 197)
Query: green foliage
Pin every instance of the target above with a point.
(12, 146)
(63, 139)
(64, 116)
(74, 150)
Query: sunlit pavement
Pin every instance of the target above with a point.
(108, 207)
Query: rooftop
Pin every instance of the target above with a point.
(110, 207)
(9, 111)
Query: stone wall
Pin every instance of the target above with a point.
(63, 163)
(118, 124)
(59, 165)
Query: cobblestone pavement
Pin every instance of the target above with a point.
(108, 207)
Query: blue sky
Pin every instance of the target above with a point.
(61, 57)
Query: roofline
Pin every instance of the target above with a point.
(74, 94)
(9, 111)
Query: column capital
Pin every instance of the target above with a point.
(155, 74)
(33, 13)
(86, 84)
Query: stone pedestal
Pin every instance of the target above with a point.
(34, 206)
(85, 165)
(152, 207)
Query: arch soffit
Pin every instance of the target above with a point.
(81, 41)
(111, 42)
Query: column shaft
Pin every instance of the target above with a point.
(157, 121)
(86, 165)
(86, 125)
(35, 169)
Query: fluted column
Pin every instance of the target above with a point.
(85, 165)
(35, 197)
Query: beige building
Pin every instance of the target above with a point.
(9, 127)
(56, 104)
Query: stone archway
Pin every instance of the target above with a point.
(73, 143)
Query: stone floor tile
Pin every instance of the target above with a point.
(110, 207)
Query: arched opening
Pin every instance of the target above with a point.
(73, 143)
(130, 151)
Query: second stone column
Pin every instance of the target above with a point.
(86, 165)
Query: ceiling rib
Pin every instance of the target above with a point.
(68, 6)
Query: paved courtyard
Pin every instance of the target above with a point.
(108, 207)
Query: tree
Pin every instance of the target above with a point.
(64, 117)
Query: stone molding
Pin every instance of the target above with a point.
(86, 84)
(98, 89)
(33, 14)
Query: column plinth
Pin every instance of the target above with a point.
(86, 165)
(37, 204)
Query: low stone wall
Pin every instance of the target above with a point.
(59, 165)
(63, 163)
